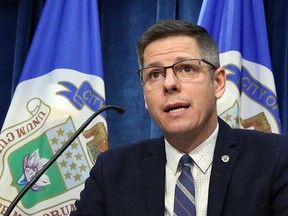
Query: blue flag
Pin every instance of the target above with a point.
(239, 30)
(60, 87)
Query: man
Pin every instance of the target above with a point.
(234, 172)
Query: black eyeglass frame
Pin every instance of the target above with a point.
(172, 66)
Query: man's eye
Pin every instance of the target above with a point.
(188, 69)
(154, 75)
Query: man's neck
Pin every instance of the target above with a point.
(186, 142)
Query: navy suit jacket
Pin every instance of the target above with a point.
(130, 180)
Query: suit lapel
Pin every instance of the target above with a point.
(223, 163)
(154, 178)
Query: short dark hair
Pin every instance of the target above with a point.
(165, 28)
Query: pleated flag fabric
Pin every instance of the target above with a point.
(239, 28)
(60, 87)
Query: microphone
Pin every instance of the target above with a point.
(118, 109)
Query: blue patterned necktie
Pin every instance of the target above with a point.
(184, 203)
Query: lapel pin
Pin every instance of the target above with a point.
(225, 158)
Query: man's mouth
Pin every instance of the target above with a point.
(175, 108)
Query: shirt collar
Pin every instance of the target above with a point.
(202, 155)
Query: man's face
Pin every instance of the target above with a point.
(178, 107)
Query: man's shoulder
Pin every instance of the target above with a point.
(258, 134)
(250, 135)
(132, 156)
(137, 148)
(261, 140)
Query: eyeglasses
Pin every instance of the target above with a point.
(185, 71)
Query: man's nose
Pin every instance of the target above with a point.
(171, 83)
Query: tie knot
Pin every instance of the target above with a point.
(185, 160)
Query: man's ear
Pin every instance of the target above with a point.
(220, 82)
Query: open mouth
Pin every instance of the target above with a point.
(174, 109)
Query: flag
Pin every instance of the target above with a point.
(61, 85)
(239, 29)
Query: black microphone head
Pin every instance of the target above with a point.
(119, 109)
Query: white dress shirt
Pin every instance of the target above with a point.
(201, 171)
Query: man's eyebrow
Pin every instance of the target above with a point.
(153, 64)
(178, 59)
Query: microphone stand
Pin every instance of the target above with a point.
(118, 109)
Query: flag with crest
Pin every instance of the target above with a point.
(239, 30)
(60, 87)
